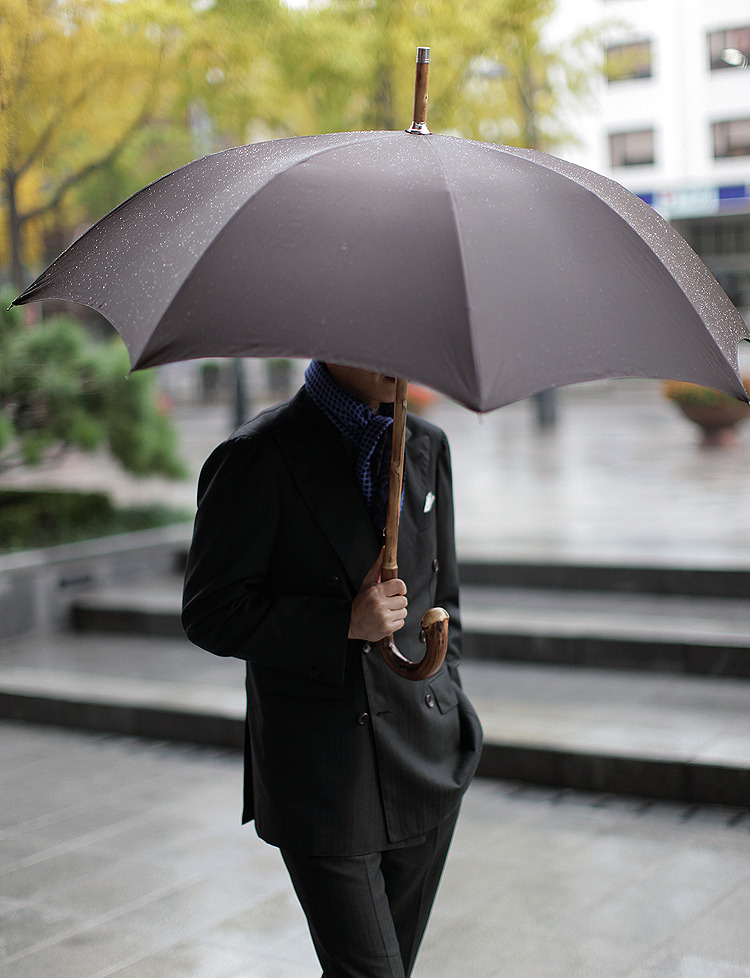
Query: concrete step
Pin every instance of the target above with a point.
(651, 632)
(150, 608)
(722, 578)
(660, 736)
(685, 738)
(656, 633)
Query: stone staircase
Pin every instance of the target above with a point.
(630, 679)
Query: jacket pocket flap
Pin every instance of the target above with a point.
(445, 691)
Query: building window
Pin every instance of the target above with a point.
(731, 138)
(625, 61)
(726, 237)
(631, 148)
(729, 49)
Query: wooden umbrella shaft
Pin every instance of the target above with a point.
(421, 81)
(396, 480)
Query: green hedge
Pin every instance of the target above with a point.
(30, 519)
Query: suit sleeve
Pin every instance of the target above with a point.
(231, 606)
(446, 594)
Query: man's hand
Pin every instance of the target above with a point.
(380, 607)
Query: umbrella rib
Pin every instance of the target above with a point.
(462, 252)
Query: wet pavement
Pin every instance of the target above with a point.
(123, 857)
(621, 477)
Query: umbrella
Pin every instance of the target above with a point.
(486, 272)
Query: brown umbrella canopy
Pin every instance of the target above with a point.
(483, 271)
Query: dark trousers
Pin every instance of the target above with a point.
(367, 914)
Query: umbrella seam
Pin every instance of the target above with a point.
(461, 249)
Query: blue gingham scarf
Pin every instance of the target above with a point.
(363, 431)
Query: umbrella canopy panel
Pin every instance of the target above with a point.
(131, 264)
(485, 272)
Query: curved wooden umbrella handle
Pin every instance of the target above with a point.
(435, 621)
(435, 627)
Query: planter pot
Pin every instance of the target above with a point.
(717, 422)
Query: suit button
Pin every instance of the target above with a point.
(333, 581)
(363, 718)
(430, 700)
(367, 648)
(314, 672)
(435, 565)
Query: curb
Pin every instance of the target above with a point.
(665, 779)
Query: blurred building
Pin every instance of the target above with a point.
(670, 119)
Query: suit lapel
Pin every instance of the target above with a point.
(417, 469)
(324, 474)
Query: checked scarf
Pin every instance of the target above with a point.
(366, 434)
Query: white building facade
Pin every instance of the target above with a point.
(671, 118)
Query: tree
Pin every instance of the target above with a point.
(78, 80)
(351, 64)
(233, 77)
(60, 389)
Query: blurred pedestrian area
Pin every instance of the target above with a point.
(619, 475)
(609, 832)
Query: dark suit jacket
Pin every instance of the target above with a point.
(342, 756)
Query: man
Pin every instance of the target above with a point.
(355, 773)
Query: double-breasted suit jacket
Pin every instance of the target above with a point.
(342, 756)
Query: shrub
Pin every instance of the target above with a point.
(50, 517)
(683, 392)
(60, 388)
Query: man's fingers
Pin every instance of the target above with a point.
(394, 602)
(391, 588)
(380, 606)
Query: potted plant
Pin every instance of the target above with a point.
(420, 399)
(716, 414)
